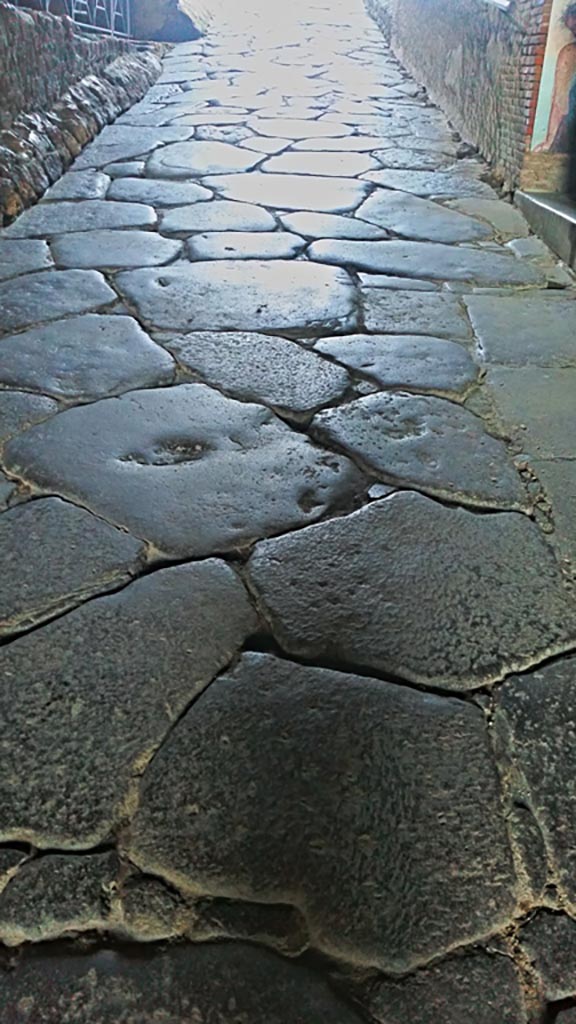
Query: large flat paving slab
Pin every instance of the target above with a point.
(49, 296)
(523, 330)
(291, 191)
(48, 219)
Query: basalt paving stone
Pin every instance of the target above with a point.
(265, 145)
(260, 368)
(75, 732)
(432, 183)
(88, 215)
(7, 491)
(23, 257)
(346, 165)
(113, 249)
(83, 358)
(412, 159)
(479, 988)
(79, 185)
(427, 259)
(187, 159)
(402, 283)
(366, 770)
(523, 330)
(538, 405)
(42, 572)
(220, 215)
(416, 362)
(348, 144)
(538, 711)
(420, 218)
(410, 312)
(506, 220)
(245, 245)
(219, 982)
(249, 295)
(158, 193)
(20, 410)
(344, 591)
(558, 477)
(330, 225)
(292, 128)
(49, 296)
(426, 443)
(549, 940)
(125, 169)
(122, 142)
(291, 191)
(185, 468)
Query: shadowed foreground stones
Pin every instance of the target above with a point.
(52, 295)
(223, 984)
(390, 886)
(491, 599)
(185, 468)
(86, 700)
(549, 941)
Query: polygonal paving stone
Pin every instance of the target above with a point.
(263, 145)
(412, 159)
(125, 169)
(524, 330)
(87, 699)
(7, 491)
(294, 128)
(402, 284)
(187, 159)
(558, 477)
(49, 296)
(411, 312)
(427, 443)
(23, 257)
(349, 144)
(432, 183)
(53, 556)
(412, 217)
(19, 410)
(537, 405)
(224, 983)
(345, 590)
(291, 191)
(427, 259)
(549, 940)
(506, 220)
(345, 165)
(121, 142)
(410, 361)
(223, 133)
(245, 295)
(84, 357)
(538, 712)
(113, 249)
(79, 185)
(479, 988)
(260, 368)
(245, 245)
(185, 468)
(386, 762)
(330, 225)
(157, 193)
(217, 216)
(47, 219)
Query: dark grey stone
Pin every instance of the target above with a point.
(152, 911)
(261, 368)
(400, 283)
(7, 491)
(277, 925)
(10, 859)
(49, 296)
(291, 191)
(406, 361)
(245, 245)
(185, 468)
(549, 940)
(217, 216)
(449, 183)
(19, 410)
(538, 405)
(427, 443)
(558, 478)
(491, 599)
(330, 225)
(523, 330)
(188, 159)
(113, 249)
(410, 312)
(366, 770)
(158, 193)
(427, 259)
(345, 165)
(412, 159)
(23, 257)
(54, 556)
(47, 219)
(126, 168)
(506, 220)
(250, 295)
(87, 700)
(122, 143)
(84, 357)
(89, 184)
(220, 983)
(421, 219)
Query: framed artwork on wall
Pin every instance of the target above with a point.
(555, 122)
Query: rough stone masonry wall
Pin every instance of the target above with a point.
(59, 89)
(479, 63)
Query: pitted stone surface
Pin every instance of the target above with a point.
(7, 491)
(346, 165)
(217, 216)
(549, 940)
(92, 214)
(433, 183)
(185, 159)
(89, 184)
(420, 219)
(344, 590)
(184, 468)
(23, 257)
(261, 368)
(427, 259)
(410, 312)
(19, 410)
(525, 330)
(220, 983)
(50, 296)
(157, 193)
(86, 700)
(291, 191)
(113, 250)
(84, 357)
(245, 295)
(245, 245)
(383, 760)
(401, 361)
(427, 443)
(330, 225)
(54, 556)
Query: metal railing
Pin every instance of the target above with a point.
(111, 17)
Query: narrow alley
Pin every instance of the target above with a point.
(287, 543)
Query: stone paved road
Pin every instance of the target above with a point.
(287, 550)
